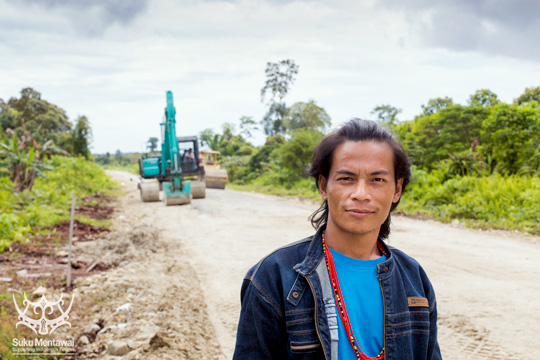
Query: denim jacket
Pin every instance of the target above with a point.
(288, 309)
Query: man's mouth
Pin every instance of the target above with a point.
(360, 212)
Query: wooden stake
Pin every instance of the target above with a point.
(70, 241)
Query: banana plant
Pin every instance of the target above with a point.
(22, 159)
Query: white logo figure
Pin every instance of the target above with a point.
(43, 323)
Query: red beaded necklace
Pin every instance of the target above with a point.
(341, 304)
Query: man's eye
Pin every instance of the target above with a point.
(379, 180)
(345, 178)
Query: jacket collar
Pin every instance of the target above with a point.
(315, 255)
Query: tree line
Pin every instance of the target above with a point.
(31, 130)
(478, 161)
(479, 138)
(482, 137)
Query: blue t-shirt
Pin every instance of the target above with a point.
(363, 298)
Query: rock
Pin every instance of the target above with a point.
(36, 275)
(5, 279)
(92, 328)
(61, 253)
(118, 348)
(83, 340)
(157, 341)
(124, 307)
(455, 222)
(40, 291)
(22, 273)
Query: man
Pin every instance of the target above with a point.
(189, 155)
(343, 293)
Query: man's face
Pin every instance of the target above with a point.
(361, 187)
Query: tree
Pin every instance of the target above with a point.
(511, 136)
(81, 136)
(262, 156)
(41, 118)
(272, 121)
(435, 105)
(279, 78)
(386, 115)
(236, 146)
(9, 117)
(247, 125)
(213, 141)
(229, 129)
(530, 94)
(306, 115)
(152, 143)
(483, 97)
(118, 157)
(227, 143)
(296, 154)
(232, 144)
(23, 157)
(432, 138)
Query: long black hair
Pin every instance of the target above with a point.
(356, 130)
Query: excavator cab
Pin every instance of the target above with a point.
(191, 164)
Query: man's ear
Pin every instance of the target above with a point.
(322, 187)
(399, 190)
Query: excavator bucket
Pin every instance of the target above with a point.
(216, 178)
(176, 197)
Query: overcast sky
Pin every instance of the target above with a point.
(113, 60)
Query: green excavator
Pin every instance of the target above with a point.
(167, 167)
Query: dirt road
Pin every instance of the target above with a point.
(487, 283)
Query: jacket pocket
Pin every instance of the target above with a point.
(302, 336)
(407, 323)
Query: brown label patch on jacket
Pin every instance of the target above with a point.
(416, 301)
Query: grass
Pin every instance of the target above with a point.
(489, 202)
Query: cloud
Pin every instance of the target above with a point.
(492, 27)
(89, 18)
(113, 61)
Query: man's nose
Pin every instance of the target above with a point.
(361, 191)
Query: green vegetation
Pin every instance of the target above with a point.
(37, 174)
(44, 122)
(27, 213)
(119, 161)
(478, 163)
(493, 201)
(44, 160)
